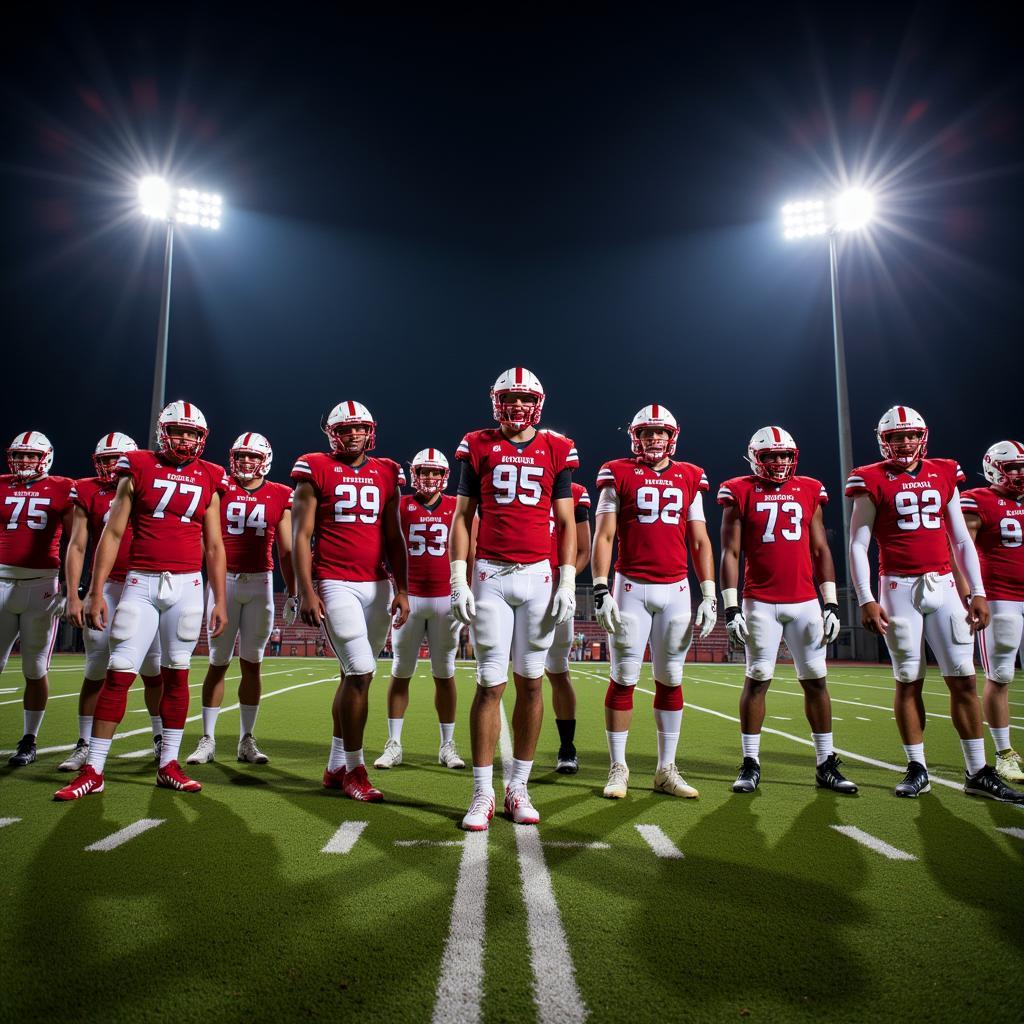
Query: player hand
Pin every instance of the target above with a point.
(95, 609)
(312, 609)
(563, 606)
(977, 614)
(399, 609)
(218, 619)
(606, 610)
(463, 604)
(75, 611)
(830, 623)
(736, 626)
(707, 616)
(59, 606)
(290, 612)
(873, 618)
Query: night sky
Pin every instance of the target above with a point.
(414, 204)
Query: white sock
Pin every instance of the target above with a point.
(483, 779)
(974, 755)
(170, 746)
(336, 759)
(85, 727)
(98, 750)
(1000, 737)
(617, 746)
(33, 719)
(158, 725)
(353, 759)
(822, 746)
(248, 713)
(668, 721)
(667, 743)
(395, 729)
(915, 752)
(520, 773)
(751, 743)
(447, 732)
(210, 721)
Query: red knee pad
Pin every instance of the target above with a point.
(618, 698)
(667, 698)
(174, 702)
(113, 698)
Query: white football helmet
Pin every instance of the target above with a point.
(109, 449)
(429, 458)
(902, 417)
(772, 439)
(1003, 466)
(188, 417)
(251, 447)
(519, 381)
(653, 450)
(349, 414)
(30, 455)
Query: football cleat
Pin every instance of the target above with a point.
(481, 810)
(158, 746)
(75, 762)
(915, 781)
(334, 779)
(828, 776)
(357, 785)
(1008, 766)
(985, 782)
(567, 763)
(391, 757)
(25, 753)
(170, 776)
(668, 780)
(749, 777)
(248, 751)
(618, 781)
(449, 756)
(519, 807)
(87, 781)
(204, 752)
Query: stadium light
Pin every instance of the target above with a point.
(192, 208)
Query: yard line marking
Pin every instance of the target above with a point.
(121, 836)
(462, 965)
(138, 753)
(555, 991)
(660, 843)
(345, 838)
(1017, 833)
(4, 822)
(861, 718)
(9, 689)
(429, 842)
(568, 844)
(836, 718)
(873, 842)
(780, 718)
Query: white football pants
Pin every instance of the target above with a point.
(357, 621)
(250, 597)
(97, 641)
(431, 616)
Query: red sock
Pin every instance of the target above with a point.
(113, 698)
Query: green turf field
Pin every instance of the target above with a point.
(731, 908)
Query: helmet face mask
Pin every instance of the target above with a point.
(428, 472)
(773, 454)
(250, 457)
(109, 449)
(902, 436)
(517, 399)
(653, 434)
(30, 456)
(181, 432)
(1003, 466)
(350, 429)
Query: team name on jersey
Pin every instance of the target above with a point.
(185, 478)
(519, 460)
(659, 481)
(912, 484)
(772, 496)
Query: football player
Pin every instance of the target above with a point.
(35, 510)
(911, 505)
(93, 497)
(515, 475)
(426, 518)
(654, 506)
(774, 519)
(254, 512)
(563, 696)
(347, 500)
(995, 518)
(171, 498)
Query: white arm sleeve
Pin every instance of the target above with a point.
(607, 501)
(862, 523)
(696, 509)
(964, 552)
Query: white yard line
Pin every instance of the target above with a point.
(121, 836)
(142, 752)
(1017, 833)
(4, 822)
(345, 837)
(429, 842)
(568, 844)
(660, 843)
(872, 842)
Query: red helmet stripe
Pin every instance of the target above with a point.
(245, 440)
(778, 436)
(902, 413)
(351, 408)
(431, 455)
(654, 412)
(188, 411)
(1020, 447)
(519, 375)
(25, 439)
(110, 440)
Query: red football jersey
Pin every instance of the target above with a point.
(168, 509)
(94, 496)
(517, 484)
(249, 522)
(348, 536)
(652, 516)
(1000, 541)
(776, 539)
(581, 506)
(426, 538)
(32, 520)
(910, 517)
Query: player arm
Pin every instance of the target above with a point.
(862, 525)
(965, 555)
(74, 562)
(284, 551)
(605, 526)
(394, 543)
(565, 520)
(729, 565)
(110, 539)
(821, 557)
(700, 545)
(304, 504)
(213, 545)
(582, 545)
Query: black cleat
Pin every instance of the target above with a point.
(915, 781)
(567, 763)
(828, 776)
(749, 777)
(26, 752)
(986, 783)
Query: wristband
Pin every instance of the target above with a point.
(600, 581)
(458, 578)
(828, 592)
(567, 577)
(707, 590)
(730, 597)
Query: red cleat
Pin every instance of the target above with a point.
(172, 777)
(335, 779)
(359, 787)
(86, 782)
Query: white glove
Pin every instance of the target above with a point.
(290, 612)
(707, 610)
(736, 626)
(605, 608)
(563, 606)
(463, 604)
(830, 621)
(59, 605)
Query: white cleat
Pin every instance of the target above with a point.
(449, 756)
(481, 810)
(248, 751)
(76, 760)
(204, 751)
(618, 782)
(391, 757)
(1007, 766)
(668, 780)
(519, 807)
